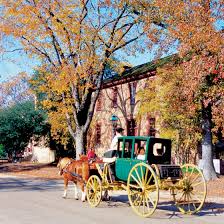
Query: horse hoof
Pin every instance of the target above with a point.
(64, 197)
(76, 198)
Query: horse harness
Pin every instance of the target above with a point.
(76, 175)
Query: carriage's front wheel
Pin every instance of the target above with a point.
(190, 195)
(94, 190)
(143, 189)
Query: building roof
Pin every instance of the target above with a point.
(138, 72)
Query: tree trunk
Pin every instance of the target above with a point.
(80, 142)
(207, 157)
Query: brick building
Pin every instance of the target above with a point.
(118, 105)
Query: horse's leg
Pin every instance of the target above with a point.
(60, 172)
(76, 191)
(65, 187)
(83, 192)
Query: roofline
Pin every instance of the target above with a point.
(128, 79)
(139, 72)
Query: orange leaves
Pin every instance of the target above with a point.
(178, 92)
(192, 23)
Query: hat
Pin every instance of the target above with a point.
(119, 129)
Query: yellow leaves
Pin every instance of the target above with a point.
(59, 130)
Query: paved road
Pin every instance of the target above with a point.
(30, 201)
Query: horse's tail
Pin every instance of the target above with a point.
(85, 171)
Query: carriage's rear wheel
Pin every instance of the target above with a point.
(190, 195)
(143, 189)
(94, 190)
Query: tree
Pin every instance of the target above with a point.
(75, 41)
(164, 99)
(192, 24)
(56, 117)
(15, 90)
(125, 100)
(18, 124)
(2, 151)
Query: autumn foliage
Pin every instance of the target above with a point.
(188, 93)
(74, 42)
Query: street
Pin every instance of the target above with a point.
(26, 201)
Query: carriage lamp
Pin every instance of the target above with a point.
(114, 119)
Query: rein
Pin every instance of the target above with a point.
(79, 177)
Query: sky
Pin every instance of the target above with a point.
(13, 63)
(18, 63)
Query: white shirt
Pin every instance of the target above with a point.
(114, 142)
(141, 157)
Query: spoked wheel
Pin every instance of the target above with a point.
(94, 190)
(191, 193)
(143, 189)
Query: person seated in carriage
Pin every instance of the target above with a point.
(91, 154)
(141, 153)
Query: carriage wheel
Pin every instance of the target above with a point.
(143, 189)
(190, 195)
(94, 190)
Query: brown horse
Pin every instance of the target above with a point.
(76, 171)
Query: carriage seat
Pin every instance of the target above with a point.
(109, 160)
(110, 156)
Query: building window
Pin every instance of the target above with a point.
(131, 127)
(114, 97)
(98, 133)
(99, 102)
(151, 127)
(132, 89)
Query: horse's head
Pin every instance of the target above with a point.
(63, 162)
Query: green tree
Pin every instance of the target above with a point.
(2, 151)
(18, 124)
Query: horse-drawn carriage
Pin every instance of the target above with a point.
(144, 179)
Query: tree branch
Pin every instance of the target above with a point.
(126, 43)
(41, 52)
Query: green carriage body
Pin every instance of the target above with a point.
(126, 151)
